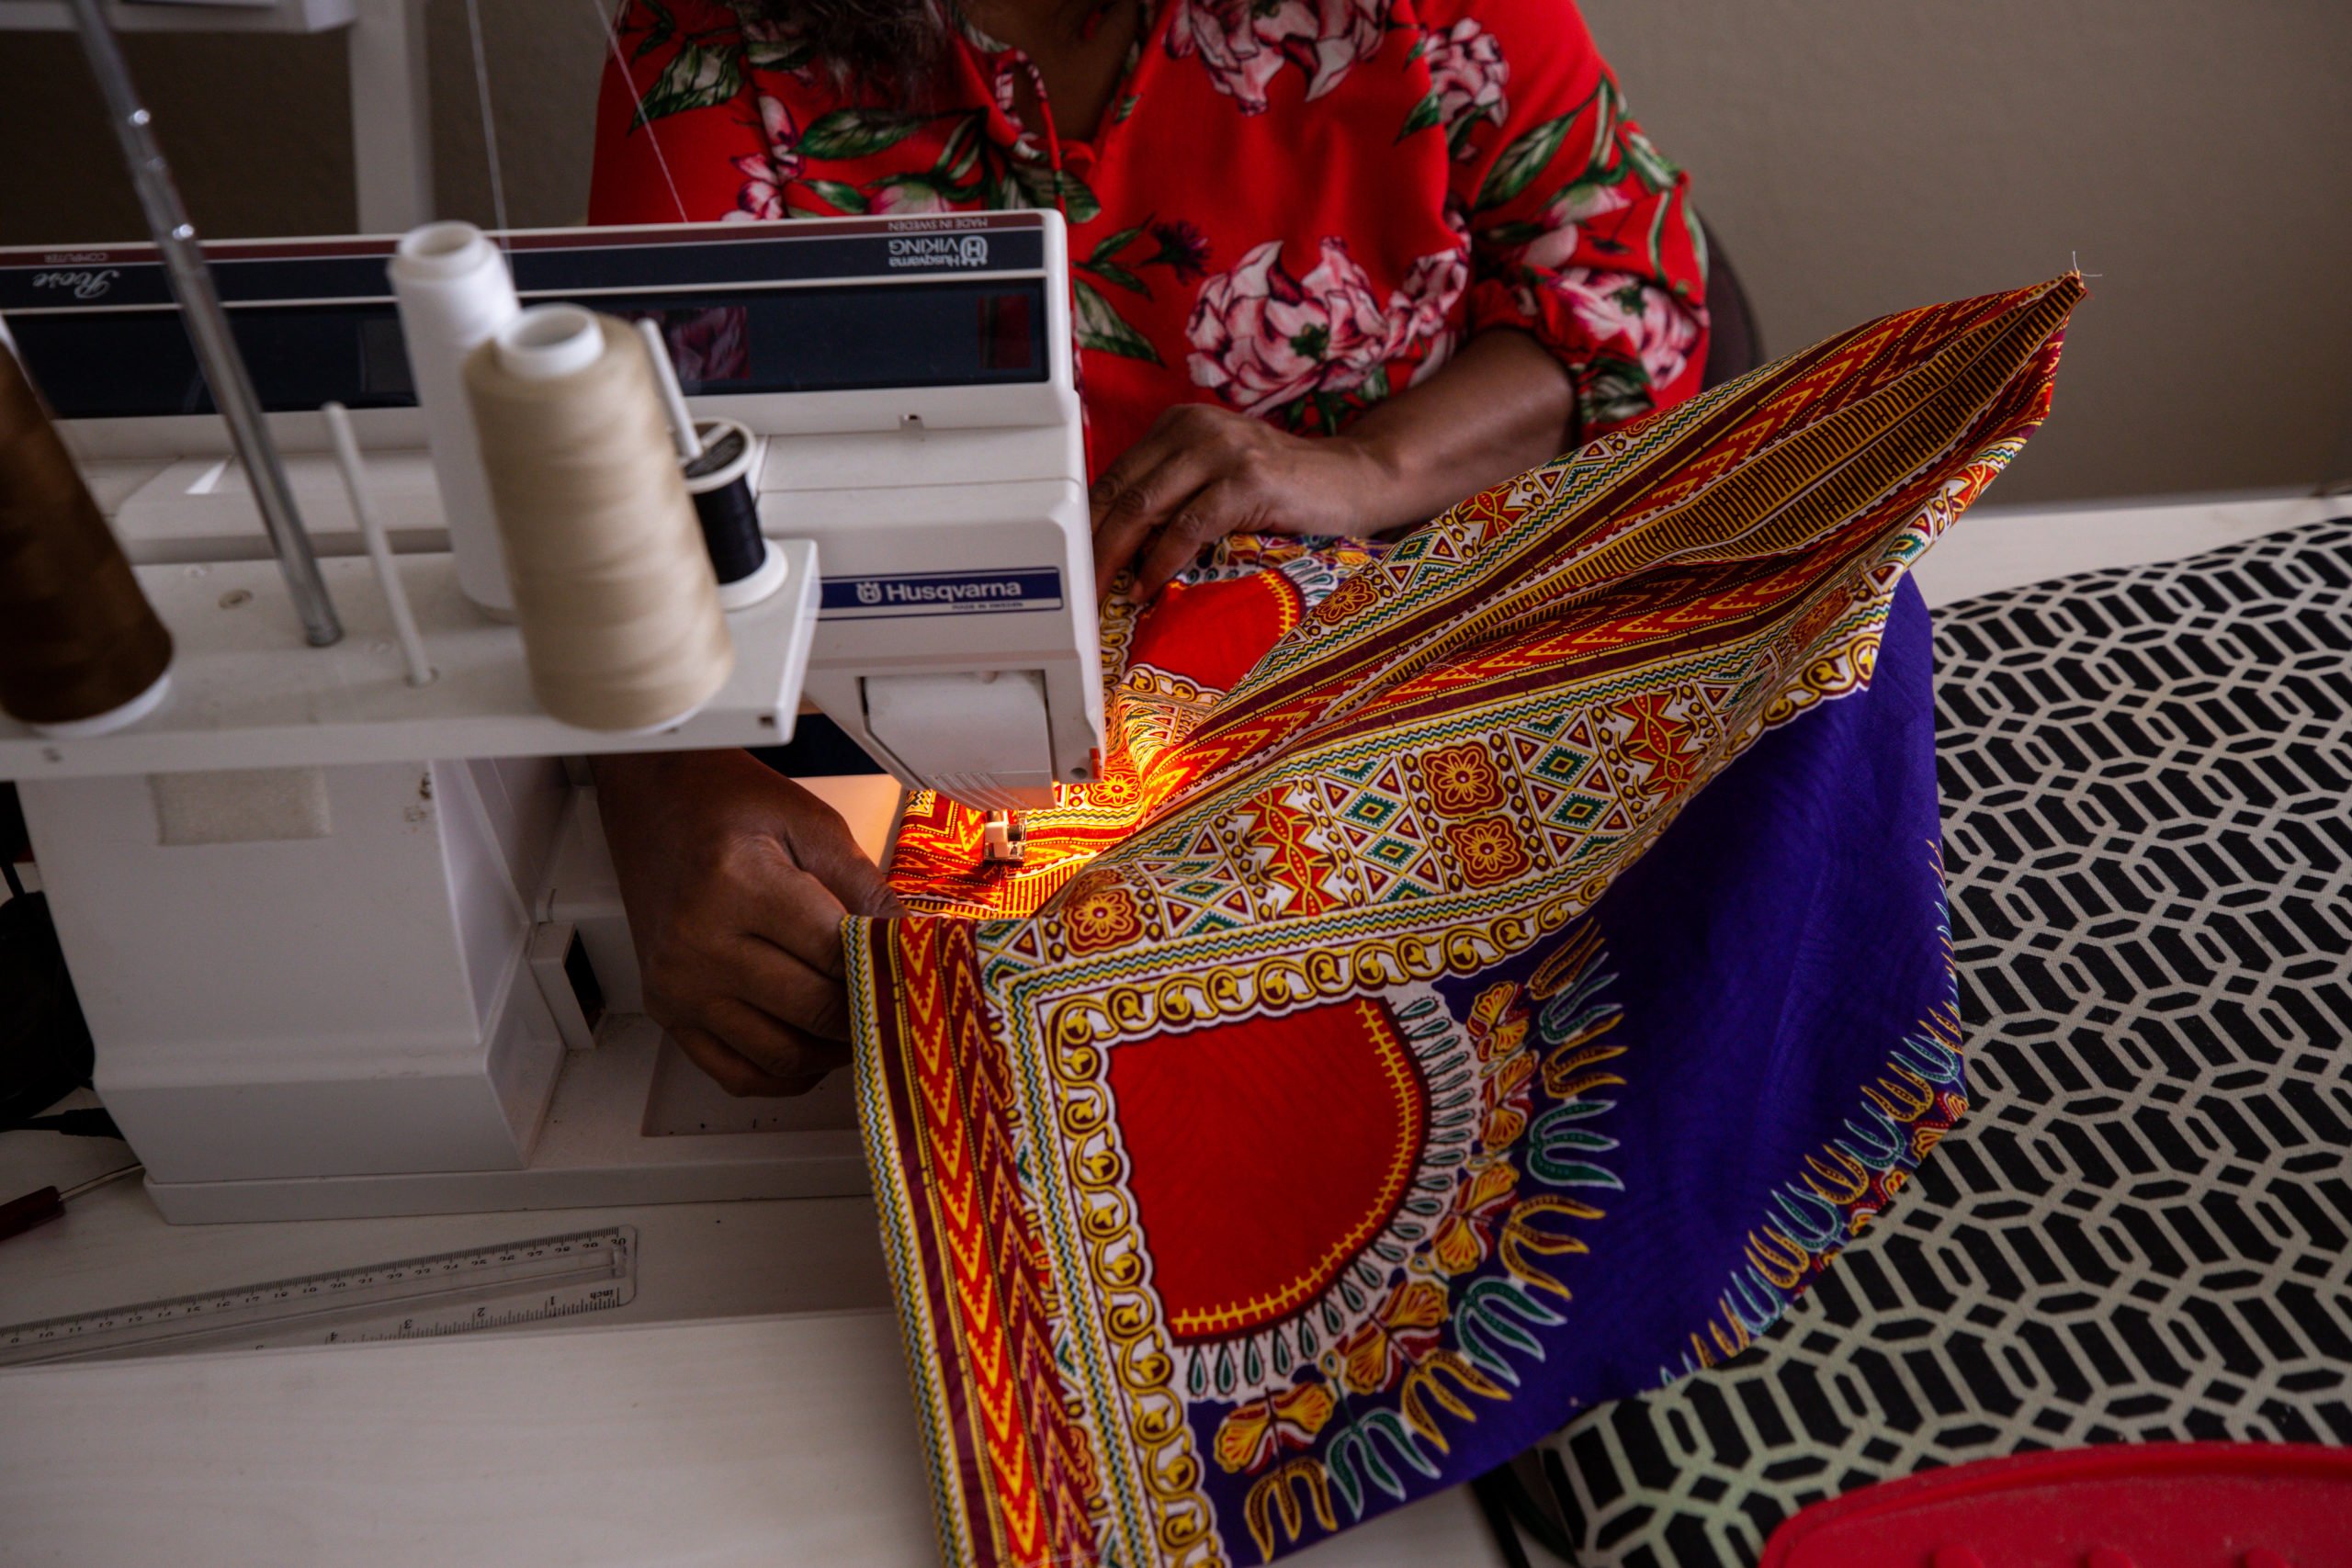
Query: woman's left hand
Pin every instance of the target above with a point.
(1203, 472)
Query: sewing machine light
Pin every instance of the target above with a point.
(980, 738)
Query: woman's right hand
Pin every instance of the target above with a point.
(736, 881)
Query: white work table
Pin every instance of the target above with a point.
(760, 1441)
(748, 1406)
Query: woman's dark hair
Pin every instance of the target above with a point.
(877, 45)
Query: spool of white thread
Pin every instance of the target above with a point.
(617, 601)
(454, 293)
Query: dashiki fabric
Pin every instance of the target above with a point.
(1361, 1079)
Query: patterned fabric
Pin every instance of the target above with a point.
(2145, 1232)
(1312, 1125)
(1292, 210)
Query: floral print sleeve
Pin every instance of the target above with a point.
(1581, 232)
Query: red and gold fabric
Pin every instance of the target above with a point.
(1394, 1051)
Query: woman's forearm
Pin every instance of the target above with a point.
(1500, 406)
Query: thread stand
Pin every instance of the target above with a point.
(246, 699)
(207, 326)
(379, 549)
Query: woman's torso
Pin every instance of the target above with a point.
(1277, 211)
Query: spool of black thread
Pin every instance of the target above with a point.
(721, 482)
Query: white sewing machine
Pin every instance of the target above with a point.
(352, 946)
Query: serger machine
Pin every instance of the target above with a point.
(350, 945)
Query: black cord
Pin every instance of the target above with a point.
(93, 1122)
(1512, 1506)
(14, 840)
(45, 1051)
(1564, 1498)
(1494, 1502)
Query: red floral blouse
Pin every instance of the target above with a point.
(1293, 208)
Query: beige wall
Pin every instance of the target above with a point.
(1854, 155)
(1862, 155)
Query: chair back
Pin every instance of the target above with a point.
(1733, 346)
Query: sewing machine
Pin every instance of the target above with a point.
(348, 945)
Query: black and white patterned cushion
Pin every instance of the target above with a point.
(2143, 1230)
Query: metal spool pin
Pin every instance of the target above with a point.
(207, 326)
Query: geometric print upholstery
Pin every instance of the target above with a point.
(2143, 1230)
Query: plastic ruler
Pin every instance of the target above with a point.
(541, 1280)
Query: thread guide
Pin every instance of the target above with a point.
(240, 700)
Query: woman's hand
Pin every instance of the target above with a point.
(1203, 472)
(1500, 406)
(736, 881)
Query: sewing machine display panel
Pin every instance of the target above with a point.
(135, 362)
(745, 312)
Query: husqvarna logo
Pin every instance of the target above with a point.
(81, 285)
(894, 594)
(939, 250)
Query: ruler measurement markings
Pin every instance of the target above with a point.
(566, 1276)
